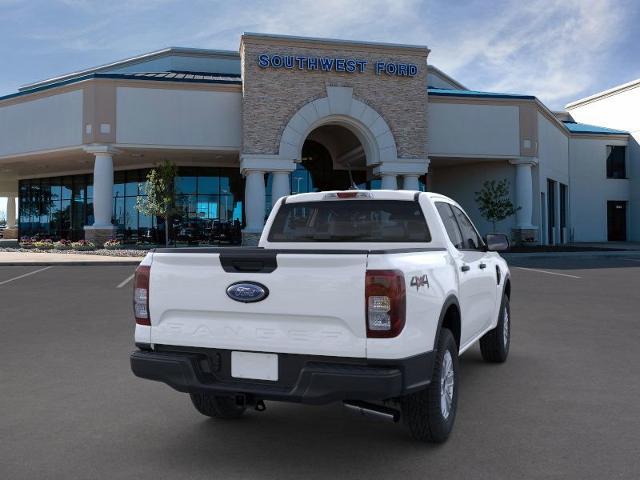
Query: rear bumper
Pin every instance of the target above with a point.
(303, 378)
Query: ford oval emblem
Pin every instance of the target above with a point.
(247, 292)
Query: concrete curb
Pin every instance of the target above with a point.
(614, 254)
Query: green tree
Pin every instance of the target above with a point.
(160, 199)
(494, 202)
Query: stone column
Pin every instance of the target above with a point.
(408, 169)
(253, 167)
(11, 212)
(410, 182)
(524, 231)
(280, 186)
(11, 232)
(102, 228)
(254, 208)
(389, 181)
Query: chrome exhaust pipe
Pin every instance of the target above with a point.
(367, 409)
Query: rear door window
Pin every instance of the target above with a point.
(450, 224)
(350, 221)
(470, 238)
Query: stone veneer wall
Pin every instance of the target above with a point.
(271, 96)
(98, 235)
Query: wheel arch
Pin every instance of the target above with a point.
(450, 318)
(507, 286)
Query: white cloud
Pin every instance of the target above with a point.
(550, 48)
(553, 49)
(556, 49)
(382, 20)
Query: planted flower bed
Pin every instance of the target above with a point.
(62, 245)
(43, 244)
(113, 244)
(83, 245)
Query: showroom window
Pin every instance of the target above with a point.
(56, 207)
(208, 202)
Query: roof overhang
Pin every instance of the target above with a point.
(435, 70)
(145, 57)
(223, 81)
(605, 93)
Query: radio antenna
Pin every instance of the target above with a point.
(353, 185)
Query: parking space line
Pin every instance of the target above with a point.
(125, 281)
(547, 272)
(25, 275)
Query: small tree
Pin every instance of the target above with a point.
(160, 193)
(494, 203)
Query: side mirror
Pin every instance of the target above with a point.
(497, 242)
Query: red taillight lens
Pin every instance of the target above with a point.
(347, 194)
(141, 295)
(386, 303)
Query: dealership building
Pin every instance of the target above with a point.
(289, 114)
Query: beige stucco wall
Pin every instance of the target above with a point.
(44, 123)
(461, 182)
(473, 129)
(590, 189)
(272, 96)
(179, 117)
(619, 110)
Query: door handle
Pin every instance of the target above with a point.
(483, 266)
(465, 268)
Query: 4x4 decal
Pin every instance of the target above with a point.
(419, 281)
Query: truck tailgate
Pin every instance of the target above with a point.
(315, 304)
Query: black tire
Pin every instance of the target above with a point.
(422, 411)
(494, 344)
(216, 407)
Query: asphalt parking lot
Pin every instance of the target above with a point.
(565, 405)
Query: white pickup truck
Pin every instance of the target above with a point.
(363, 297)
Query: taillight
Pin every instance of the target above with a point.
(386, 301)
(141, 295)
(347, 194)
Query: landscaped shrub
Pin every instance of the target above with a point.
(112, 244)
(43, 244)
(62, 245)
(83, 245)
(26, 242)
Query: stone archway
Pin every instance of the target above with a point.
(340, 108)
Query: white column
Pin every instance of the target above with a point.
(103, 190)
(11, 212)
(524, 192)
(389, 181)
(279, 186)
(254, 198)
(410, 182)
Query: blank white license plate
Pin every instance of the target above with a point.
(257, 366)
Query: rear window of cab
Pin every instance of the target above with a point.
(350, 221)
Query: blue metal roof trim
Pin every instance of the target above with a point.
(228, 79)
(445, 92)
(575, 127)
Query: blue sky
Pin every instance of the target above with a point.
(557, 50)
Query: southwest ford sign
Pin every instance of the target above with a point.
(334, 64)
